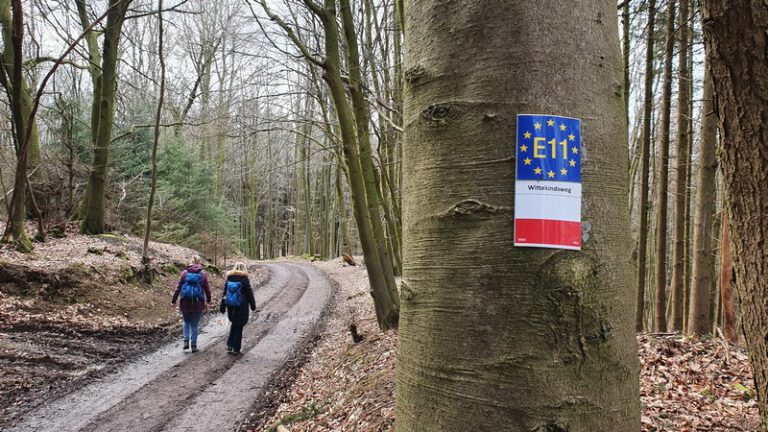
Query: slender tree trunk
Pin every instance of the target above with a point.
(156, 140)
(14, 230)
(735, 39)
(660, 324)
(700, 317)
(95, 199)
(33, 146)
(645, 159)
(361, 110)
(681, 184)
(385, 302)
(528, 339)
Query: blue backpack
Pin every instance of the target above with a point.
(193, 287)
(234, 294)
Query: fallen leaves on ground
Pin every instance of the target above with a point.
(691, 384)
(687, 385)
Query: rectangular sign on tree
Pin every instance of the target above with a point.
(548, 182)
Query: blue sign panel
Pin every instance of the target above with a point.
(548, 148)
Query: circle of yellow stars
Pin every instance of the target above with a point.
(529, 161)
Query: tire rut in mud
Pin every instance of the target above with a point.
(154, 405)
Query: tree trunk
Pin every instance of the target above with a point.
(494, 337)
(625, 55)
(14, 230)
(385, 301)
(361, 110)
(681, 183)
(726, 282)
(735, 38)
(660, 323)
(104, 99)
(700, 317)
(645, 159)
(156, 138)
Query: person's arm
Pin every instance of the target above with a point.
(249, 294)
(206, 288)
(178, 286)
(223, 303)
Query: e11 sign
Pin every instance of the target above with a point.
(548, 182)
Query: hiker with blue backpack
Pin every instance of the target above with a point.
(194, 292)
(237, 298)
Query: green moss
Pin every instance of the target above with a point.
(210, 268)
(170, 268)
(57, 232)
(304, 414)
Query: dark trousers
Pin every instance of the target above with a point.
(236, 334)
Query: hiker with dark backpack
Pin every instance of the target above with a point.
(237, 298)
(194, 292)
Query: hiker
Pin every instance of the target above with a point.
(194, 291)
(237, 297)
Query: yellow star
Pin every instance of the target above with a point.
(573, 163)
(527, 135)
(574, 150)
(571, 137)
(537, 125)
(527, 161)
(551, 174)
(523, 148)
(537, 170)
(562, 126)
(564, 171)
(550, 122)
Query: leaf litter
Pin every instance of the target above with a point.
(686, 384)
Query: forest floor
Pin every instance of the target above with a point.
(687, 384)
(87, 344)
(81, 331)
(75, 309)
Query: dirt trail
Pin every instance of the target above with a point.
(169, 390)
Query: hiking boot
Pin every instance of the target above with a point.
(229, 349)
(186, 345)
(194, 348)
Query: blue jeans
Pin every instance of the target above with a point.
(191, 326)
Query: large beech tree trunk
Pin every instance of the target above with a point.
(736, 41)
(494, 337)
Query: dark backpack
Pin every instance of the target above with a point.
(234, 294)
(193, 287)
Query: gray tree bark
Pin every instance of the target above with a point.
(495, 337)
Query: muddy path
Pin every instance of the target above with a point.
(171, 390)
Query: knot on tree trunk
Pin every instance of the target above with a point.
(567, 300)
(473, 209)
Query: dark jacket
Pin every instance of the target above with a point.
(239, 312)
(186, 305)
